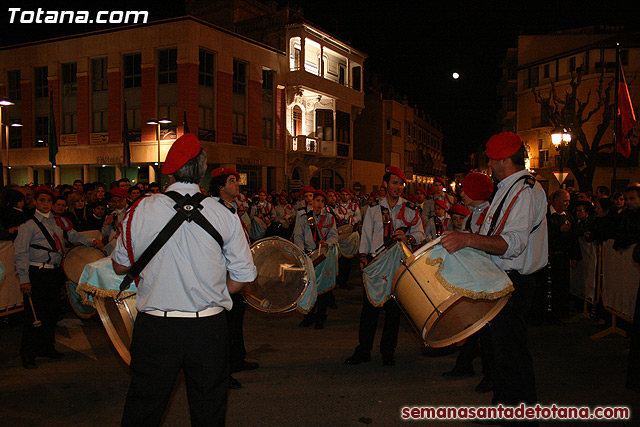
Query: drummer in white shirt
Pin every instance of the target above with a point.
(514, 234)
(402, 223)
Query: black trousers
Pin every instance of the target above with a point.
(235, 322)
(511, 365)
(472, 348)
(369, 324)
(344, 270)
(160, 348)
(46, 288)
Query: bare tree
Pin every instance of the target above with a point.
(568, 109)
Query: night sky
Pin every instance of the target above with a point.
(414, 46)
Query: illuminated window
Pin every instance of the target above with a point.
(297, 121)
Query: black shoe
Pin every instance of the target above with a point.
(244, 366)
(52, 354)
(320, 318)
(458, 373)
(307, 321)
(389, 361)
(485, 386)
(29, 363)
(234, 384)
(357, 359)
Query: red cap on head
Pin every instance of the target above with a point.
(346, 190)
(397, 172)
(459, 209)
(183, 149)
(224, 171)
(262, 190)
(320, 193)
(440, 180)
(477, 186)
(442, 204)
(42, 189)
(308, 189)
(422, 190)
(431, 191)
(119, 192)
(374, 194)
(503, 145)
(331, 191)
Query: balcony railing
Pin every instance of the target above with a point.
(304, 144)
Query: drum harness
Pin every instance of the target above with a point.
(54, 243)
(187, 209)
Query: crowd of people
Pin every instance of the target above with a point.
(533, 237)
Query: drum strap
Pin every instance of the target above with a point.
(530, 182)
(188, 209)
(55, 245)
(312, 225)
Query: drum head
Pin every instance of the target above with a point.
(77, 258)
(345, 231)
(283, 276)
(118, 319)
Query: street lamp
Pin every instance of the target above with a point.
(5, 102)
(560, 137)
(157, 124)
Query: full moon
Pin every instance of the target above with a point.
(455, 76)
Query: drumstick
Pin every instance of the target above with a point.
(36, 322)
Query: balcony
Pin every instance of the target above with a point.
(304, 144)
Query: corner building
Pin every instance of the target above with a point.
(281, 117)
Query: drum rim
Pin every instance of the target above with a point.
(387, 250)
(293, 305)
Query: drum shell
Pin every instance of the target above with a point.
(460, 316)
(77, 258)
(118, 318)
(344, 231)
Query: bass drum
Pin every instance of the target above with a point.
(118, 318)
(73, 263)
(285, 276)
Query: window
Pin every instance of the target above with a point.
(342, 74)
(42, 131)
(535, 76)
(40, 82)
(13, 82)
(267, 108)
(624, 57)
(572, 63)
(324, 124)
(393, 127)
(239, 77)
(168, 130)
(206, 131)
(239, 102)
(133, 123)
(205, 69)
(99, 78)
(133, 70)
(15, 136)
(545, 74)
(356, 74)
(69, 78)
(343, 132)
(167, 66)
(101, 120)
(69, 124)
(296, 121)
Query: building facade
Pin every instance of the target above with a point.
(550, 61)
(283, 117)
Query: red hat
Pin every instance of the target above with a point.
(459, 209)
(224, 171)
(120, 192)
(397, 172)
(42, 189)
(321, 193)
(346, 190)
(262, 190)
(183, 149)
(308, 189)
(440, 180)
(411, 198)
(431, 191)
(503, 145)
(331, 191)
(422, 190)
(374, 194)
(477, 186)
(442, 204)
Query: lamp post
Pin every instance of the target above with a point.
(560, 137)
(5, 102)
(157, 123)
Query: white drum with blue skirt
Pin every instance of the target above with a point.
(286, 278)
(449, 297)
(258, 228)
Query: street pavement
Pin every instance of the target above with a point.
(302, 379)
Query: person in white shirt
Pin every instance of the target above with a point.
(514, 234)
